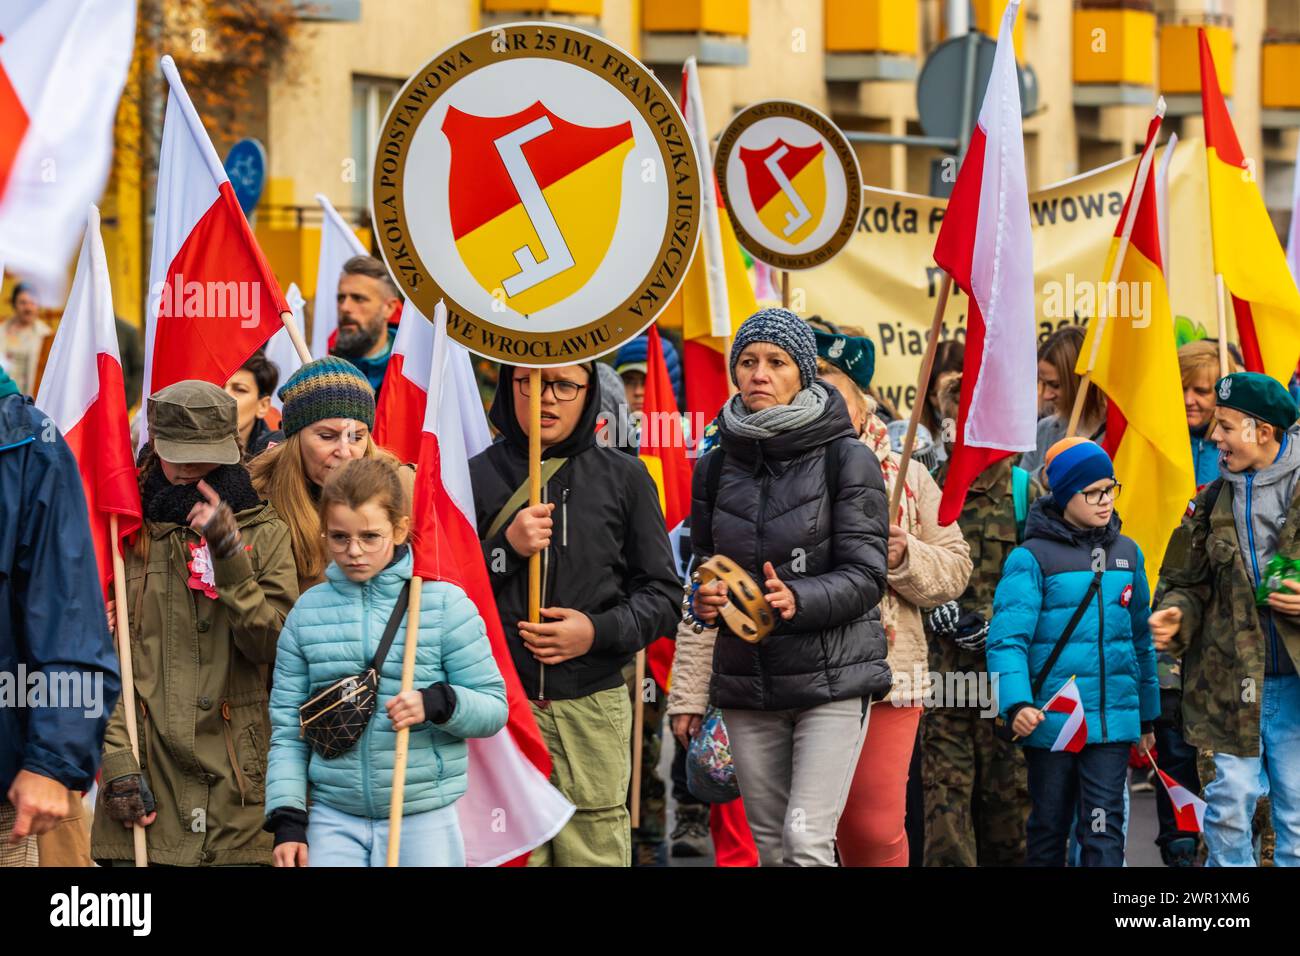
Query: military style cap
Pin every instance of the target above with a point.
(1259, 396)
(194, 422)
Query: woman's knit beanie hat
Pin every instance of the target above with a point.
(326, 388)
(785, 330)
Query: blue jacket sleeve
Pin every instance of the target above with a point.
(61, 623)
(286, 770)
(1139, 609)
(470, 668)
(1016, 606)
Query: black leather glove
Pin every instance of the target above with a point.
(128, 798)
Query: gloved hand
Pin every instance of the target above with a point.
(972, 632)
(943, 619)
(222, 532)
(128, 798)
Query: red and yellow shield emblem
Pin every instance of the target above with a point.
(534, 201)
(787, 185)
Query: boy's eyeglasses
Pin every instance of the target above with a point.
(370, 541)
(562, 390)
(1096, 497)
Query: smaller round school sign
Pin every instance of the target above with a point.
(542, 182)
(791, 183)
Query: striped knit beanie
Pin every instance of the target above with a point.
(326, 388)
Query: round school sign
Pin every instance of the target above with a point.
(791, 183)
(541, 181)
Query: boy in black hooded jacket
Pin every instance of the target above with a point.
(608, 589)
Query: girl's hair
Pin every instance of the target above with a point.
(280, 478)
(1201, 356)
(949, 356)
(1061, 351)
(361, 480)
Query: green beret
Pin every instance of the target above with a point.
(1260, 396)
(853, 355)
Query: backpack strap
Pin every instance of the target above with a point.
(1020, 496)
(1041, 676)
(549, 467)
(390, 629)
(713, 475)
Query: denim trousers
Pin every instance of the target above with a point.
(1239, 782)
(1086, 788)
(335, 838)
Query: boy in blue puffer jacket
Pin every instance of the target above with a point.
(332, 633)
(1075, 561)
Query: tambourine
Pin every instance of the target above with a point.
(747, 612)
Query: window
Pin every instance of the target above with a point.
(370, 101)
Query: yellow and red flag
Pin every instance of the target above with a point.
(663, 450)
(1136, 365)
(716, 295)
(1246, 249)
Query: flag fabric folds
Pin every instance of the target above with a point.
(1246, 249)
(507, 772)
(1136, 365)
(1074, 732)
(63, 64)
(716, 295)
(1189, 809)
(985, 245)
(83, 394)
(213, 300)
(338, 244)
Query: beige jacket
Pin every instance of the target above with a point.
(935, 570)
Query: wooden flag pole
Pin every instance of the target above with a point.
(785, 288)
(1222, 295)
(1125, 238)
(638, 726)
(123, 627)
(535, 498)
(295, 336)
(403, 735)
(922, 393)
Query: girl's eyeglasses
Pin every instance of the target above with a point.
(1096, 497)
(370, 541)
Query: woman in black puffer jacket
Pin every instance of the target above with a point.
(797, 500)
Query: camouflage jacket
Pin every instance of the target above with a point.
(988, 522)
(1221, 641)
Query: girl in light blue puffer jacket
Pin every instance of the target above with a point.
(332, 633)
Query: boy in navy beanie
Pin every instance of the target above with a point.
(1069, 648)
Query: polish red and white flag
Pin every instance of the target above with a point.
(213, 300)
(63, 64)
(338, 244)
(1189, 809)
(1074, 732)
(985, 245)
(83, 394)
(509, 807)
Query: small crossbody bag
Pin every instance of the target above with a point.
(333, 720)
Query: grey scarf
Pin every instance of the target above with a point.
(804, 409)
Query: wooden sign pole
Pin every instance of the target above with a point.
(403, 735)
(123, 627)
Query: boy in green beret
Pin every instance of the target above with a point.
(1241, 692)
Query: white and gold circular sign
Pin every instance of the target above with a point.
(540, 180)
(791, 183)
